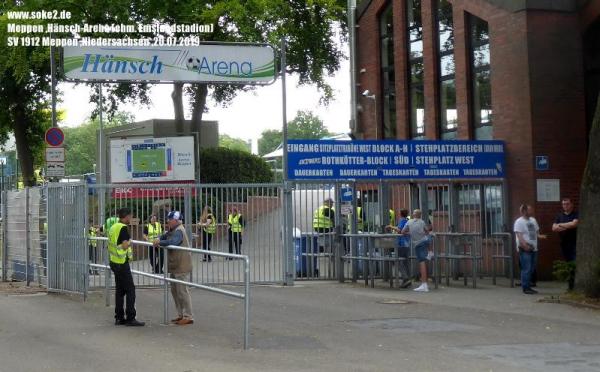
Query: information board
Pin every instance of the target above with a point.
(152, 159)
(330, 159)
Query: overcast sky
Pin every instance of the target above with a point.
(246, 117)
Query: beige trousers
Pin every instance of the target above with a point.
(181, 296)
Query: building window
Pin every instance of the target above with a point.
(415, 69)
(481, 107)
(447, 100)
(386, 32)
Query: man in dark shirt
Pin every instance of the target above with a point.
(120, 254)
(565, 225)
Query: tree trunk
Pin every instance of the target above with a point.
(588, 232)
(177, 97)
(20, 125)
(199, 103)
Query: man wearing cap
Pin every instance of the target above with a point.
(120, 253)
(179, 265)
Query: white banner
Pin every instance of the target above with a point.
(208, 63)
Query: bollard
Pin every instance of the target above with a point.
(246, 301)
(166, 286)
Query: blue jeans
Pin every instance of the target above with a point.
(528, 263)
(421, 249)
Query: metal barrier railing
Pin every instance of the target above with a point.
(361, 248)
(166, 280)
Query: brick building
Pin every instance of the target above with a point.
(523, 71)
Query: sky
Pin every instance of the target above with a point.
(246, 117)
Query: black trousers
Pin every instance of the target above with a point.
(125, 289)
(235, 238)
(157, 258)
(206, 240)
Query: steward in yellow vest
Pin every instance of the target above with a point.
(152, 231)
(92, 247)
(208, 223)
(324, 217)
(236, 225)
(120, 253)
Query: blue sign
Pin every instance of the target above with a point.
(347, 194)
(542, 163)
(330, 159)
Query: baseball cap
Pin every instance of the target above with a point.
(175, 215)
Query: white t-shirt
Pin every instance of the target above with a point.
(417, 230)
(530, 229)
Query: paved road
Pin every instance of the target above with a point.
(312, 326)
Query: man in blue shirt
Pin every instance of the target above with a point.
(403, 248)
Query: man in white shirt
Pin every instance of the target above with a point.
(421, 240)
(527, 232)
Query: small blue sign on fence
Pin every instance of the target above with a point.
(347, 194)
(330, 159)
(542, 163)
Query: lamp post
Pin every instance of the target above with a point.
(369, 95)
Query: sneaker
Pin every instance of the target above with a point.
(429, 255)
(134, 323)
(176, 319)
(422, 288)
(406, 283)
(529, 291)
(185, 321)
(120, 322)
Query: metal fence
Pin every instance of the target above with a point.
(24, 239)
(279, 232)
(260, 207)
(469, 222)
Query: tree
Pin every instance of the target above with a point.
(306, 125)
(311, 30)
(81, 143)
(588, 231)
(221, 165)
(233, 143)
(24, 109)
(269, 140)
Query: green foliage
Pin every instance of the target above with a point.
(306, 125)
(221, 165)
(563, 270)
(269, 140)
(232, 143)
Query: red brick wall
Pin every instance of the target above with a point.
(537, 92)
(557, 110)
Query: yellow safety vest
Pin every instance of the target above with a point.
(212, 227)
(110, 221)
(234, 221)
(92, 234)
(154, 231)
(320, 221)
(392, 217)
(115, 252)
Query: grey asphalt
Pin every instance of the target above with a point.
(320, 326)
